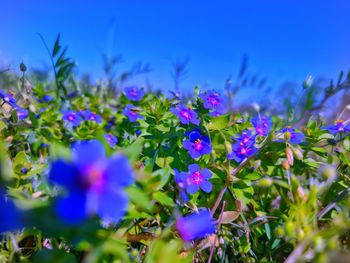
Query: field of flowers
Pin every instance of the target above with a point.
(136, 176)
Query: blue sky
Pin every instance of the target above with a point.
(285, 40)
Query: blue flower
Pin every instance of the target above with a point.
(132, 113)
(10, 216)
(197, 145)
(338, 127)
(186, 115)
(243, 147)
(22, 113)
(91, 116)
(9, 98)
(181, 181)
(72, 117)
(194, 179)
(262, 124)
(196, 225)
(212, 101)
(133, 93)
(45, 99)
(94, 184)
(292, 136)
(111, 139)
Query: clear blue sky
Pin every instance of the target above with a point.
(285, 40)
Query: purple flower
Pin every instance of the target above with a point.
(181, 181)
(338, 127)
(10, 216)
(197, 145)
(132, 113)
(22, 113)
(292, 136)
(185, 114)
(243, 147)
(91, 116)
(45, 99)
(262, 124)
(194, 179)
(9, 98)
(72, 117)
(133, 93)
(111, 139)
(94, 183)
(196, 225)
(212, 101)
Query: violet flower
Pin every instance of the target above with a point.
(336, 128)
(132, 113)
(133, 93)
(197, 144)
(185, 114)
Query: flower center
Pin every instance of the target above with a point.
(133, 93)
(244, 151)
(185, 114)
(71, 117)
(198, 145)
(94, 176)
(196, 178)
(213, 101)
(133, 113)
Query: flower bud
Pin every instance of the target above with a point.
(290, 157)
(285, 165)
(23, 67)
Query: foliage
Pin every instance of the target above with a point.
(274, 192)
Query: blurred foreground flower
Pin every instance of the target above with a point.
(196, 225)
(198, 144)
(9, 214)
(186, 115)
(94, 183)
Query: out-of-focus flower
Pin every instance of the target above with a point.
(262, 124)
(337, 127)
(10, 216)
(111, 139)
(72, 117)
(195, 179)
(133, 93)
(197, 144)
(212, 101)
(91, 116)
(243, 147)
(94, 184)
(131, 112)
(186, 115)
(196, 225)
(292, 136)
(45, 99)
(181, 181)
(22, 113)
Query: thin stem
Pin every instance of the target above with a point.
(216, 236)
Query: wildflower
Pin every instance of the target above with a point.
(72, 117)
(243, 147)
(10, 216)
(181, 181)
(197, 144)
(212, 101)
(338, 127)
(45, 99)
(94, 183)
(262, 124)
(292, 136)
(91, 116)
(22, 113)
(111, 139)
(196, 225)
(195, 179)
(133, 93)
(132, 113)
(186, 115)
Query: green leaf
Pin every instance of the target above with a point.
(56, 47)
(164, 161)
(163, 199)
